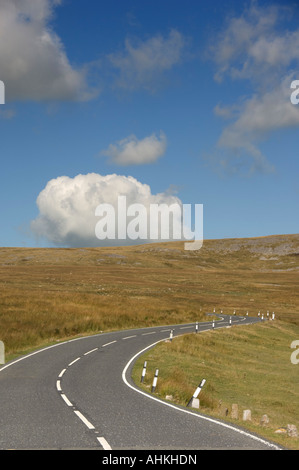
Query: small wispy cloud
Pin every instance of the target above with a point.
(142, 64)
(7, 113)
(254, 48)
(131, 151)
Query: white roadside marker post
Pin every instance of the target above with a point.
(171, 335)
(194, 401)
(155, 380)
(143, 372)
(196, 327)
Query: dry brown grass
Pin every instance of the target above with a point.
(245, 365)
(51, 294)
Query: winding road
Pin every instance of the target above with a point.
(79, 395)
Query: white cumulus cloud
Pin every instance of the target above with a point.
(34, 63)
(67, 206)
(131, 151)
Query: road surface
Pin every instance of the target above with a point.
(79, 395)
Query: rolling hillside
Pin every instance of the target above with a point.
(47, 294)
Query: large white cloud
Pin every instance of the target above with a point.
(67, 206)
(131, 151)
(34, 63)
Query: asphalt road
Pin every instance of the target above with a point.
(79, 395)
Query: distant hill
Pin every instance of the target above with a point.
(277, 252)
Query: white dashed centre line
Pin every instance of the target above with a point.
(104, 443)
(85, 421)
(65, 398)
(89, 352)
(73, 362)
(107, 344)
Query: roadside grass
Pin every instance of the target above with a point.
(51, 294)
(31, 317)
(245, 365)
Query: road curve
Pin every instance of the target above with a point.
(79, 395)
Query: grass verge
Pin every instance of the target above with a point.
(245, 365)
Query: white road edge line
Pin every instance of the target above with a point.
(228, 426)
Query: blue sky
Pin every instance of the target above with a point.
(191, 99)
